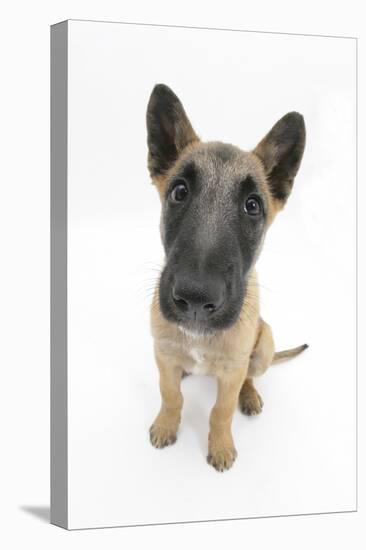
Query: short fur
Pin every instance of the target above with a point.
(205, 313)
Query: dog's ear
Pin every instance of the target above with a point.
(168, 129)
(281, 153)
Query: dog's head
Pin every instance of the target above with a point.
(217, 203)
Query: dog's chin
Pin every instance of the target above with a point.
(200, 328)
(196, 330)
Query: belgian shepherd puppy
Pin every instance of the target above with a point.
(217, 204)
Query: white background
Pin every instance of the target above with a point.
(299, 455)
(25, 287)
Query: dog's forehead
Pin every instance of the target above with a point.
(220, 163)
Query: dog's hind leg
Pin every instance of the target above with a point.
(263, 352)
(250, 402)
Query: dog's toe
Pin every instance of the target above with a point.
(185, 374)
(161, 437)
(251, 403)
(222, 460)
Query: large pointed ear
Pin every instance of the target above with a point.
(168, 129)
(281, 153)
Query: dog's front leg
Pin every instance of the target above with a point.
(221, 449)
(163, 432)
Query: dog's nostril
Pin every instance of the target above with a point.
(209, 307)
(197, 301)
(181, 302)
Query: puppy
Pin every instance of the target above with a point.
(217, 204)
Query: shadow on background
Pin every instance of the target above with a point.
(40, 512)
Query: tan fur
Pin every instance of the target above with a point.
(161, 182)
(233, 356)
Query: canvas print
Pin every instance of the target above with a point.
(203, 308)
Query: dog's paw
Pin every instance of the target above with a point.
(250, 402)
(162, 437)
(222, 460)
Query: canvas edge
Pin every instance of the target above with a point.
(58, 311)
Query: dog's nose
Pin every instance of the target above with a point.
(198, 299)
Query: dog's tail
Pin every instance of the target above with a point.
(288, 353)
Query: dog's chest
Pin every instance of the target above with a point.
(199, 363)
(209, 359)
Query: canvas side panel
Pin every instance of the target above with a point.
(59, 508)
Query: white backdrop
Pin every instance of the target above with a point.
(24, 223)
(299, 455)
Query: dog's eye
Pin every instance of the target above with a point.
(179, 191)
(253, 205)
